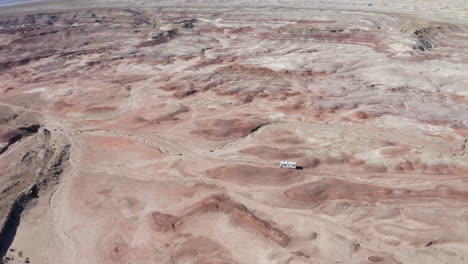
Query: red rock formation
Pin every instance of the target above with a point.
(335, 189)
(226, 129)
(163, 222)
(239, 213)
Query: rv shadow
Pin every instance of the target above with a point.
(299, 168)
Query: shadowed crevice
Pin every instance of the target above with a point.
(8, 232)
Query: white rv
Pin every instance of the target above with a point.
(288, 164)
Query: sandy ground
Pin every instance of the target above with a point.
(178, 114)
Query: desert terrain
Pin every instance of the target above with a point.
(151, 132)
